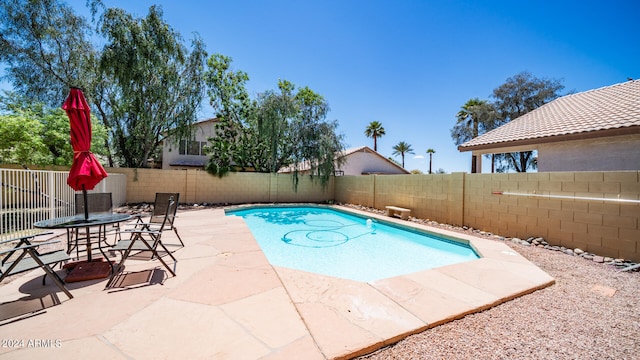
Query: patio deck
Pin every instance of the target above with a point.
(228, 302)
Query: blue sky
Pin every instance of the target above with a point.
(410, 64)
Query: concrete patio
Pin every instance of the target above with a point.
(228, 302)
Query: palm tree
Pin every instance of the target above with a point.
(401, 149)
(430, 152)
(474, 117)
(374, 130)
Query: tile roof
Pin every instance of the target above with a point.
(615, 107)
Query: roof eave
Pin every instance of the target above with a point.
(635, 129)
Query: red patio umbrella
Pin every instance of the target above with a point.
(86, 171)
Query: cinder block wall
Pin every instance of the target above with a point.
(308, 190)
(563, 207)
(143, 184)
(357, 190)
(436, 197)
(198, 186)
(234, 188)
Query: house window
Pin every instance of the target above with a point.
(189, 147)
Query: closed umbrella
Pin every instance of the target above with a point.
(86, 171)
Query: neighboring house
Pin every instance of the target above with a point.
(188, 154)
(595, 130)
(360, 161)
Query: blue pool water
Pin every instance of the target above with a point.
(334, 243)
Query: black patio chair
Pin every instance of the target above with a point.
(161, 215)
(24, 256)
(145, 240)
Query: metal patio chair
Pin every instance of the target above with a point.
(24, 256)
(145, 240)
(159, 213)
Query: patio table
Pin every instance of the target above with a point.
(74, 222)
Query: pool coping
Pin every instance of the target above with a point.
(229, 302)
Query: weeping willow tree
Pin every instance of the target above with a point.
(315, 140)
(283, 128)
(155, 84)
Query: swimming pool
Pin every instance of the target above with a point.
(330, 242)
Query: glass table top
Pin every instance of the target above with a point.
(79, 220)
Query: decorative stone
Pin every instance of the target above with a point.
(578, 251)
(598, 259)
(516, 240)
(608, 259)
(603, 290)
(568, 252)
(587, 256)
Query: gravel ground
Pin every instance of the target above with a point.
(592, 312)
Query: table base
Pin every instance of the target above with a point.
(87, 270)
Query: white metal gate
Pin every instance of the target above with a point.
(28, 196)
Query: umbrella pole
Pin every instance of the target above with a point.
(86, 217)
(86, 205)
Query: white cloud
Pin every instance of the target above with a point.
(418, 157)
